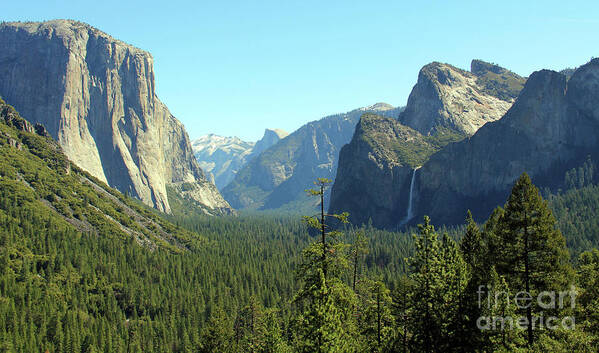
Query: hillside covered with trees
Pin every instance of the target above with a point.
(84, 268)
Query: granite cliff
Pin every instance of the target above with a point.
(96, 96)
(375, 169)
(551, 128)
(446, 97)
(446, 105)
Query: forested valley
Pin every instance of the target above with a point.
(84, 268)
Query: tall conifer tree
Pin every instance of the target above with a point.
(533, 256)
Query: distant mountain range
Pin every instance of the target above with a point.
(278, 177)
(96, 96)
(459, 144)
(222, 157)
(446, 105)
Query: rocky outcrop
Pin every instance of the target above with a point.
(270, 138)
(279, 176)
(552, 127)
(497, 81)
(448, 98)
(375, 169)
(223, 157)
(96, 96)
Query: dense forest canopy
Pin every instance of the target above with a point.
(84, 268)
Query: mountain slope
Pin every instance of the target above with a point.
(96, 96)
(36, 175)
(277, 178)
(223, 157)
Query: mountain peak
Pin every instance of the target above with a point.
(378, 107)
(271, 137)
(222, 157)
(446, 97)
(479, 68)
(496, 80)
(280, 134)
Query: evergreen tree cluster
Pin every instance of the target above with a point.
(84, 268)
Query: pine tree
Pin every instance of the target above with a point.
(533, 256)
(359, 249)
(250, 330)
(320, 325)
(375, 320)
(273, 341)
(474, 252)
(328, 237)
(217, 335)
(402, 307)
(324, 321)
(587, 310)
(499, 313)
(457, 275)
(471, 245)
(440, 276)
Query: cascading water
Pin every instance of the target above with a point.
(410, 213)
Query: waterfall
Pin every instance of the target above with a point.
(410, 213)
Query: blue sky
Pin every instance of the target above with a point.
(237, 67)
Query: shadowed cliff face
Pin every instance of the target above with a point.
(375, 170)
(551, 128)
(96, 96)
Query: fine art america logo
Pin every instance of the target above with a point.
(490, 301)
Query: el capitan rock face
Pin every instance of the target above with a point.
(96, 96)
